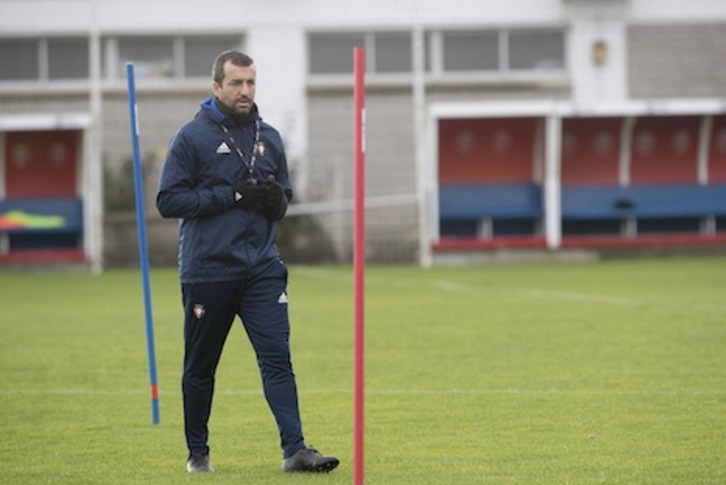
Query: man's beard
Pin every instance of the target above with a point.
(236, 115)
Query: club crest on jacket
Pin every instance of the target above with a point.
(199, 310)
(260, 148)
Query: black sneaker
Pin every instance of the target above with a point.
(199, 464)
(309, 460)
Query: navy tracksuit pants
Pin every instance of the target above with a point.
(260, 300)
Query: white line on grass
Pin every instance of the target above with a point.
(559, 295)
(575, 296)
(458, 287)
(453, 287)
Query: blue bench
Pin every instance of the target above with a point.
(643, 202)
(487, 210)
(481, 201)
(492, 216)
(41, 216)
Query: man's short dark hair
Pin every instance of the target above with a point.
(235, 57)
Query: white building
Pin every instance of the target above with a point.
(545, 62)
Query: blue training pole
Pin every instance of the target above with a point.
(143, 251)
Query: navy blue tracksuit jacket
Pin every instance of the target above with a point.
(216, 241)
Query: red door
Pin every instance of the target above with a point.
(717, 153)
(41, 164)
(665, 150)
(590, 151)
(493, 150)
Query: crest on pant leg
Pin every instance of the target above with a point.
(198, 310)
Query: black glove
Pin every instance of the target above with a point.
(273, 200)
(249, 196)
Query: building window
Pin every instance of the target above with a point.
(173, 57)
(386, 52)
(153, 57)
(470, 51)
(333, 53)
(19, 58)
(393, 53)
(536, 50)
(446, 52)
(68, 58)
(199, 53)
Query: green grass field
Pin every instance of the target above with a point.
(608, 372)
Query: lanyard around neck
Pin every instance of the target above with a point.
(253, 158)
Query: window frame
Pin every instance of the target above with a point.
(434, 58)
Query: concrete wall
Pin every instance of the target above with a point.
(677, 60)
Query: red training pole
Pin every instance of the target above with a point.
(359, 261)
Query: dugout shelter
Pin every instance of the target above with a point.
(557, 175)
(50, 207)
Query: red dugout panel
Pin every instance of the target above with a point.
(717, 151)
(590, 150)
(495, 150)
(665, 150)
(41, 163)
